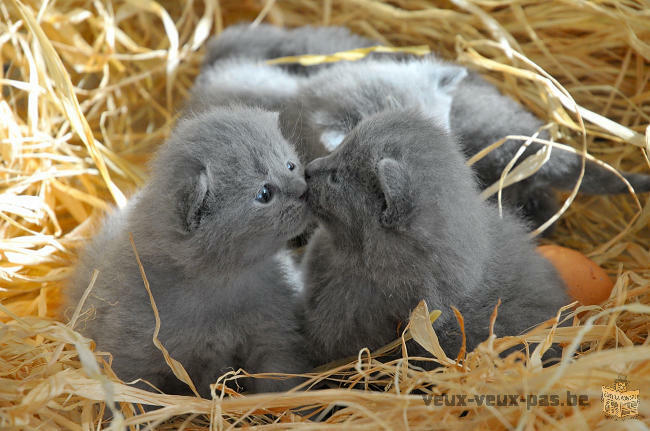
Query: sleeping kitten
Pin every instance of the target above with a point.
(226, 192)
(401, 221)
(331, 103)
(266, 42)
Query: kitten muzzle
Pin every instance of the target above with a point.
(298, 189)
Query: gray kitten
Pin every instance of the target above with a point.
(235, 70)
(266, 42)
(332, 102)
(226, 192)
(401, 221)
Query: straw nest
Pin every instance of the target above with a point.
(91, 88)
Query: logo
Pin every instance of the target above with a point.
(618, 401)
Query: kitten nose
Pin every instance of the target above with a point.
(299, 189)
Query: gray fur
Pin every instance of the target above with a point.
(401, 221)
(265, 42)
(245, 82)
(234, 69)
(213, 255)
(331, 103)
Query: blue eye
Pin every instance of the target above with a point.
(264, 195)
(291, 166)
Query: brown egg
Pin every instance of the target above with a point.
(586, 282)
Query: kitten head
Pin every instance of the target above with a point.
(227, 188)
(396, 172)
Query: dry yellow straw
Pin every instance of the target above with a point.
(350, 55)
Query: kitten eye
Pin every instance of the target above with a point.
(291, 166)
(264, 195)
(333, 177)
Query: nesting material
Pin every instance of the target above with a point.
(91, 88)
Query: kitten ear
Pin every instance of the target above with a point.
(331, 139)
(192, 203)
(331, 136)
(444, 79)
(395, 182)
